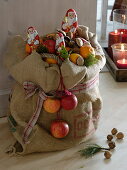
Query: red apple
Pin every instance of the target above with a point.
(69, 102)
(50, 45)
(59, 128)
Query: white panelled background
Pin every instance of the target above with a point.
(46, 16)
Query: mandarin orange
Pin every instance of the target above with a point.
(85, 51)
(51, 61)
(28, 49)
(73, 57)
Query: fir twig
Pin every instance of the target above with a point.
(91, 150)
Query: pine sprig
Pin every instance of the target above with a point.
(91, 150)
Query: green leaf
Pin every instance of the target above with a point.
(90, 60)
(64, 53)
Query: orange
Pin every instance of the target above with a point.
(51, 61)
(28, 49)
(85, 51)
(51, 105)
(73, 57)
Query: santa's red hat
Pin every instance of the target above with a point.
(71, 10)
(30, 28)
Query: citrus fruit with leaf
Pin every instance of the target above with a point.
(86, 51)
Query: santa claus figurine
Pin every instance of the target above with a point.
(70, 22)
(59, 41)
(33, 40)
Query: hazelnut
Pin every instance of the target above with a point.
(107, 154)
(79, 42)
(111, 145)
(114, 131)
(80, 61)
(120, 135)
(109, 137)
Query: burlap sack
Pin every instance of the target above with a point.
(82, 121)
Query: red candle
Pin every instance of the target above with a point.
(123, 35)
(114, 37)
(122, 63)
(117, 36)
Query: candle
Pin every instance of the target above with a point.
(117, 36)
(120, 55)
(122, 47)
(121, 51)
(114, 37)
(122, 64)
(123, 34)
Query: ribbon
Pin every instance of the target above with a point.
(30, 89)
(83, 87)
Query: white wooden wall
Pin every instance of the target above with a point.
(45, 15)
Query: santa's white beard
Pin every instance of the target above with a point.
(33, 35)
(59, 40)
(71, 21)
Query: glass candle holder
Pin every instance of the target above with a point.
(119, 33)
(120, 55)
(119, 19)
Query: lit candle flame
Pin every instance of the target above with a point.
(123, 16)
(121, 32)
(123, 19)
(116, 31)
(122, 47)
